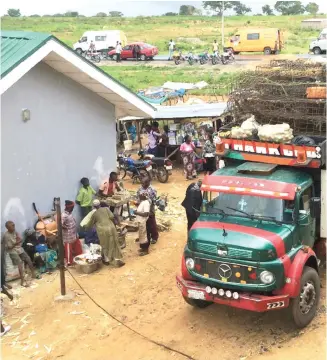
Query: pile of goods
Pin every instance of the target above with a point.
(282, 92)
(251, 130)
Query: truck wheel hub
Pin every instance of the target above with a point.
(307, 297)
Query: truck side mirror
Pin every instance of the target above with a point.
(315, 207)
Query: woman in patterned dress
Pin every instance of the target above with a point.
(187, 150)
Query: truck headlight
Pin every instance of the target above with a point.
(189, 262)
(267, 277)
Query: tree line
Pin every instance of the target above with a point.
(216, 7)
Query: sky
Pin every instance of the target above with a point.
(128, 8)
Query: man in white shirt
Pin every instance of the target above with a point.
(118, 51)
(171, 49)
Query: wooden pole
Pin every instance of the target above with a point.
(60, 248)
(139, 133)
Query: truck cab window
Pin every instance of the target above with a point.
(305, 199)
(254, 36)
(83, 39)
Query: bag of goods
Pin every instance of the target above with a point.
(246, 129)
(280, 133)
(224, 134)
(250, 124)
(318, 92)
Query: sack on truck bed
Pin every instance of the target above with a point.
(281, 133)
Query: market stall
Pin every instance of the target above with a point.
(181, 120)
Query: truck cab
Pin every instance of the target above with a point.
(252, 245)
(319, 46)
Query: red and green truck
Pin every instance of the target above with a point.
(252, 246)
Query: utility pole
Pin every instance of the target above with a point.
(222, 27)
(60, 248)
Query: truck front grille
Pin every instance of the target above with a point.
(232, 252)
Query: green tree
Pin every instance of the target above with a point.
(58, 15)
(71, 14)
(170, 14)
(187, 10)
(35, 15)
(312, 8)
(289, 7)
(218, 6)
(266, 9)
(240, 8)
(115, 14)
(101, 14)
(14, 12)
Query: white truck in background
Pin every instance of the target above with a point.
(104, 41)
(319, 46)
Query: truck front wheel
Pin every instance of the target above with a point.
(304, 307)
(197, 303)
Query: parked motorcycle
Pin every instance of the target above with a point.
(216, 58)
(94, 57)
(204, 57)
(191, 58)
(178, 58)
(228, 56)
(135, 169)
(161, 167)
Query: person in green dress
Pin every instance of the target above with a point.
(85, 196)
(102, 220)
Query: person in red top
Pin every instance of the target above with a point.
(108, 187)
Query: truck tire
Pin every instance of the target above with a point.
(201, 304)
(267, 51)
(304, 306)
(317, 50)
(79, 51)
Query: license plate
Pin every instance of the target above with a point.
(195, 294)
(169, 167)
(149, 168)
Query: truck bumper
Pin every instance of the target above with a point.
(247, 301)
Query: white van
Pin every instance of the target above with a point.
(320, 45)
(103, 40)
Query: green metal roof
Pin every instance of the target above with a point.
(16, 46)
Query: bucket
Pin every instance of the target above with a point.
(128, 145)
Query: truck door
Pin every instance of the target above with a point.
(306, 223)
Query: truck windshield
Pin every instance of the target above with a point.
(236, 205)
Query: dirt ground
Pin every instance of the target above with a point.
(143, 295)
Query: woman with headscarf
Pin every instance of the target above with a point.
(102, 219)
(187, 150)
(209, 151)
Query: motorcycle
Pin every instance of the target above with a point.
(91, 56)
(216, 58)
(178, 58)
(228, 56)
(191, 59)
(135, 169)
(204, 57)
(161, 167)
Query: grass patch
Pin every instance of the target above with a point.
(142, 77)
(158, 30)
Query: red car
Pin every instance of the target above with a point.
(147, 51)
